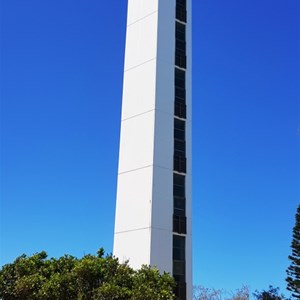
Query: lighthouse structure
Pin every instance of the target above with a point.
(153, 209)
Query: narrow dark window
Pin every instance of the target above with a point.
(181, 3)
(179, 164)
(180, 289)
(179, 148)
(180, 54)
(179, 206)
(181, 46)
(178, 185)
(179, 258)
(181, 12)
(179, 129)
(180, 31)
(179, 224)
(180, 95)
(179, 156)
(180, 78)
(179, 200)
(180, 110)
(179, 248)
(180, 59)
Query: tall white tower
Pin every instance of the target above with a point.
(153, 211)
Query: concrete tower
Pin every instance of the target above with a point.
(153, 211)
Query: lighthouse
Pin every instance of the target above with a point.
(153, 220)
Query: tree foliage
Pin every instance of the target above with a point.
(243, 293)
(293, 271)
(271, 294)
(203, 293)
(93, 277)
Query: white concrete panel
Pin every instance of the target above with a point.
(189, 61)
(141, 42)
(165, 87)
(134, 195)
(166, 57)
(136, 142)
(139, 90)
(139, 9)
(162, 206)
(188, 195)
(133, 246)
(189, 147)
(189, 96)
(166, 32)
(189, 268)
(189, 152)
(164, 140)
(161, 250)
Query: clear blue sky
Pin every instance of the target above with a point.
(61, 87)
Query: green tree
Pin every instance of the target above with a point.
(293, 271)
(271, 294)
(146, 281)
(92, 277)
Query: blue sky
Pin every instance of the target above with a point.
(61, 87)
